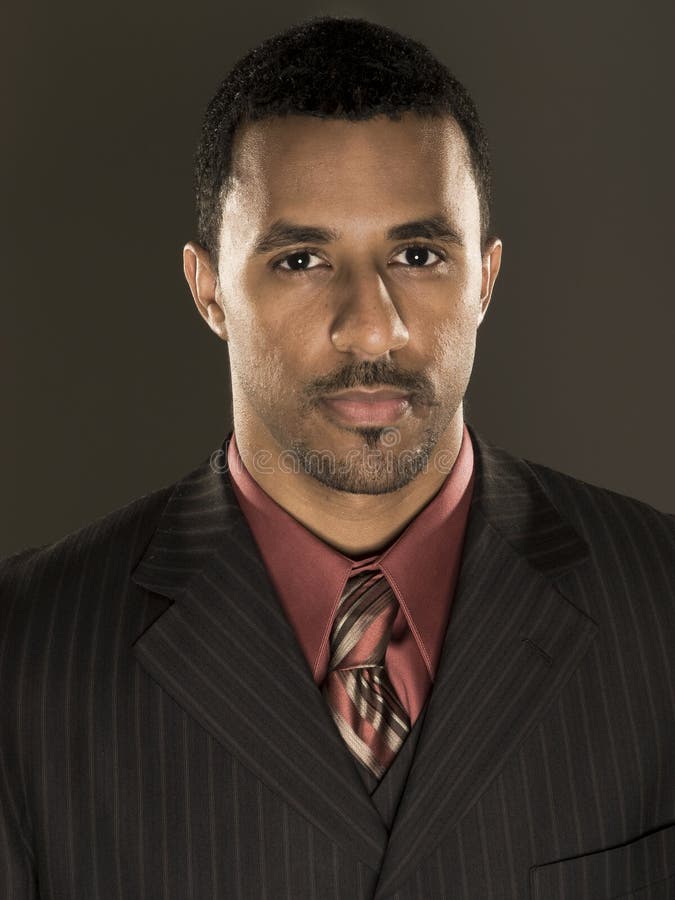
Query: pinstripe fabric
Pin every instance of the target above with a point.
(161, 735)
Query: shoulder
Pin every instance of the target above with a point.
(100, 553)
(596, 540)
(542, 498)
(631, 544)
(601, 515)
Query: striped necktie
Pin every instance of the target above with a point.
(361, 699)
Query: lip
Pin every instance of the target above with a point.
(365, 395)
(369, 407)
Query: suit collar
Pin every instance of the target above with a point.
(514, 502)
(512, 642)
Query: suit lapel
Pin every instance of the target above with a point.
(226, 653)
(512, 642)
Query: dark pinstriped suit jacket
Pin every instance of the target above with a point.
(162, 737)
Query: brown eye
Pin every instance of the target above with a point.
(298, 261)
(421, 257)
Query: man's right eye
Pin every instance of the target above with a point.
(299, 261)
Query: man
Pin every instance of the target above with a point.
(357, 652)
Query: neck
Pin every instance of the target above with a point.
(357, 525)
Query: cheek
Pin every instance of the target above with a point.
(454, 343)
(260, 315)
(268, 358)
(271, 353)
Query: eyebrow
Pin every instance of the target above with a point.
(283, 233)
(434, 228)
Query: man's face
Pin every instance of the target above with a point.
(364, 298)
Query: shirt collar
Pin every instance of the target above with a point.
(422, 563)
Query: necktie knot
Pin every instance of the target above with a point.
(363, 623)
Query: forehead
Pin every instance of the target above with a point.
(304, 167)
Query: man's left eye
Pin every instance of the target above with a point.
(422, 257)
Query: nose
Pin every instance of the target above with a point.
(368, 323)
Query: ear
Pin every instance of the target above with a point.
(203, 282)
(492, 259)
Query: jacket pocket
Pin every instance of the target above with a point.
(640, 870)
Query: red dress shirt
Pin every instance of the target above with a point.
(421, 564)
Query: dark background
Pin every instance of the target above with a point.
(112, 384)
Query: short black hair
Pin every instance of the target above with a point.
(330, 67)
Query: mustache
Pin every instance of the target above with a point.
(369, 376)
